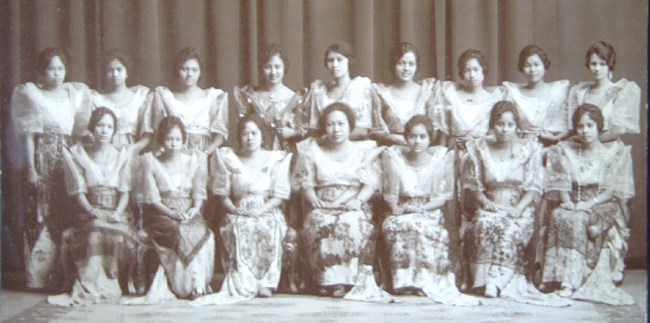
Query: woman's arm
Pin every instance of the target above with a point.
(612, 133)
(143, 142)
(312, 199)
(270, 204)
(217, 141)
(122, 203)
(487, 204)
(32, 175)
(162, 208)
(391, 139)
(603, 197)
(355, 202)
(524, 201)
(434, 204)
(194, 210)
(90, 211)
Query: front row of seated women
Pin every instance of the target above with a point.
(339, 180)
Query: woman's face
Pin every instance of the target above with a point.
(104, 129)
(473, 73)
(505, 128)
(418, 138)
(598, 67)
(337, 65)
(534, 69)
(587, 129)
(337, 128)
(116, 73)
(190, 72)
(174, 140)
(273, 70)
(55, 73)
(250, 137)
(406, 67)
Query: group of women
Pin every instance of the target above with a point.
(530, 174)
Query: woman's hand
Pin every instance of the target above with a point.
(286, 132)
(255, 212)
(114, 217)
(191, 213)
(583, 205)
(353, 204)
(412, 209)
(515, 212)
(489, 205)
(568, 206)
(461, 142)
(93, 213)
(32, 176)
(318, 204)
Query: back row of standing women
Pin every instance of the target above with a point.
(336, 177)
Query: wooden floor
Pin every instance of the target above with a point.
(18, 306)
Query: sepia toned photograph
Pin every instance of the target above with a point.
(324, 160)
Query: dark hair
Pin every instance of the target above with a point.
(98, 114)
(344, 49)
(469, 54)
(116, 54)
(336, 106)
(499, 109)
(268, 51)
(185, 55)
(251, 117)
(45, 58)
(165, 127)
(401, 50)
(593, 112)
(529, 51)
(605, 51)
(419, 119)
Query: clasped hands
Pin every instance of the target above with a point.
(353, 204)
(186, 216)
(490, 206)
(112, 217)
(580, 206)
(253, 213)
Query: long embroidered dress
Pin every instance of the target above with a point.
(496, 242)
(185, 248)
(54, 122)
(203, 118)
(340, 243)
(576, 247)
(358, 96)
(254, 244)
(545, 113)
(274, 114)
(101, 251)
(393, 112)
(418, 242)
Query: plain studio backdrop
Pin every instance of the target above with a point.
(228, 33)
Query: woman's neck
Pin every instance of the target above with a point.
(602, 83)
(112, 89)
(473, 89)
(100, 146)
(536, 85)
(338, 146)
(342, 81)
(172, 154)
(502, 144)
(416, 157)
(400, 84)
(188, 89)
(590, 146)
(249, 153)
(52, 87)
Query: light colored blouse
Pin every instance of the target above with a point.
(189, 180)
(83, 173)
(393, 112)
(130, 112)
(546, 112)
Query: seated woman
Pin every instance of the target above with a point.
(174, 194)
(101, 244)
(418, 180)
(404, 97)
(251, 183)
(505, 175)
(337, 178)
(588, 176)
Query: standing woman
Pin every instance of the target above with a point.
(273, 102)
(128, 103)
(203, 111)
(587, 175)
(505, 176)
(251, 183)
(418, 180)
(404, 98)
(175, 192)
(463, 110)
(353, 92)
(541, 105)
(102, 241)
(47, 115)
(619, 103)
(337, 177)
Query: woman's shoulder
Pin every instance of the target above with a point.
(360, 81)
(627, 87)
(76, 86)
(140, 89)
(28, 89)
(512, 86)
(163, 90)
(581, 86)
(215, 93)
